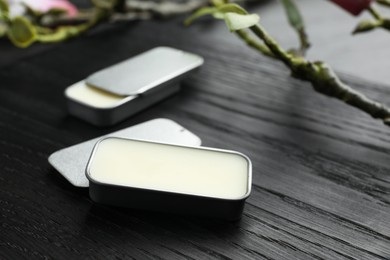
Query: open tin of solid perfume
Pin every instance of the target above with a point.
(169, 178)
(124, 89)
(71, 162)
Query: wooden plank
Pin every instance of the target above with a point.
(321, 182)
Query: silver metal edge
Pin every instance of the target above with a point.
(249, 180)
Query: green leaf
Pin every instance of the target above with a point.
(236, 21)
(4, 10)
(4, 6)
(295, 19)
(21, 32)
(199, 13)
(294, 16)
(232, 8)
(365, 25)
(3, 29)
(217, 12)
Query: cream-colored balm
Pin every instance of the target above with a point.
(94, 97)
(178, 169)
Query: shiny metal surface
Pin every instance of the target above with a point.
(145, 71)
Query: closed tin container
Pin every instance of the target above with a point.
(122, 90)
(169, 178)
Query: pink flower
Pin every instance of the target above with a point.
(355, 7)
(43, 6)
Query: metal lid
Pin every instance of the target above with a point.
(145, 71)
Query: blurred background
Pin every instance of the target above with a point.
(329, 28)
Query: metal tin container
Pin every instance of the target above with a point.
(122, 90)
(71, 162)
(157, 182)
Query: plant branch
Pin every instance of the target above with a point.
(244, 35)
(375, 13)
(274, 47)
(58, 26)
(368, 25)
(53, 21)
(323, 79)
(165, 8)
(64, 32)
(384, 2)
(321, 76)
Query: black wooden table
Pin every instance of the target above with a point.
(321, 181)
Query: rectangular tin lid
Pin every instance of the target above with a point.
(145, 71)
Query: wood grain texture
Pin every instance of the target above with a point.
(321, 182)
